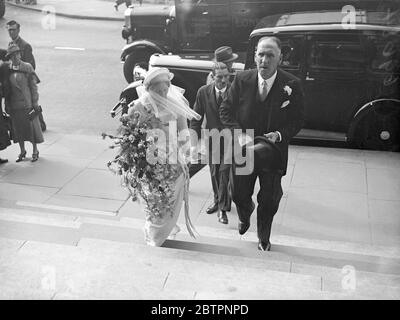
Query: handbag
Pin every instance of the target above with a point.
(6, 131)
(34, 112)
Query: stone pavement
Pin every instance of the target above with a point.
(86, 9)
(68, 212)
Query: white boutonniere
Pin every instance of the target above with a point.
(285, 103)
(288, 90)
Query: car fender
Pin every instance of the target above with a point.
(365, 109)
(141, 44)
(130, 92)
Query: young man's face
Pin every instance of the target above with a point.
(221, 78)
(13, 31)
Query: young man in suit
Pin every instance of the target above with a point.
(13, 28)
(208, 100)
(270, 101)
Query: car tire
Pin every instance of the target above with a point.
(133, 58)
(2, 8)
(379, 129)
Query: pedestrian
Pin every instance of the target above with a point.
(14, 28)
(140, 70)
(223, 54)
(119, 2)
(4, 133)
(22, 100)
(208, 100)
(269, 101)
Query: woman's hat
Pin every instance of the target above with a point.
(155, 72)
(224, 54)
(13, 48)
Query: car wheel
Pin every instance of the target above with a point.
(133, 58)
(2, 8)
(379, 129)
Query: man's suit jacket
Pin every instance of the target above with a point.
(206, 105)
(281, 111)
(26, 51)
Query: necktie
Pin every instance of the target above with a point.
(219, 100)
(264, 91)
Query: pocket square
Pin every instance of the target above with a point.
(284, 104)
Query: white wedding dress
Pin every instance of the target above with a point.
(158, 229)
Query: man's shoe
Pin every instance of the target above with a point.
(243, 227)
(3, 161)
(222, 217)
(264, 246)
(213, 208)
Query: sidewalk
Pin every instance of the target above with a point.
(83, 9)
(329, 194)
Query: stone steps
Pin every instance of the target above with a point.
(99, 269)
(129, 230)
(119, 230)
(314, 262)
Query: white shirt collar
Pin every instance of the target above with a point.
(218, 91)
(270, 81)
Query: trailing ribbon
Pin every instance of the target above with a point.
(189, 225)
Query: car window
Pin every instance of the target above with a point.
(291, 54)
(384, 54)
(337, 55)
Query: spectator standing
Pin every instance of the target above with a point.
(14, 28)
(22, 99)
(4, 135)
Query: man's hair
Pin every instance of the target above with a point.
(218, 66)
(275, 39)
(13, 23)
(143, 65)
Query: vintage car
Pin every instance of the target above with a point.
(2, 8)
(349, 67)
(195, 28)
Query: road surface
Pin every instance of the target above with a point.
(79, 67)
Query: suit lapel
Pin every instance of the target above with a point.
(253, 83)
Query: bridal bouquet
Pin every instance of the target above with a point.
(153, 182)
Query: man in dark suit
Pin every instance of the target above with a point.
(208, 100)
(13, 28)
(269, 101)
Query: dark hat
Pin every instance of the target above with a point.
(267, 155)
(13, 48)
(224, 54)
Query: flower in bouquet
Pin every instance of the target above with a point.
(152, 181)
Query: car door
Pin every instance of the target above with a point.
(335, 77)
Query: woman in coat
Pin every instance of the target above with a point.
(22, 99)
(4, 135)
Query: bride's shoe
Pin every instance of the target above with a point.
(21, 156)
(174, 232)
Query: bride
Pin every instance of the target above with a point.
(157, 96)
